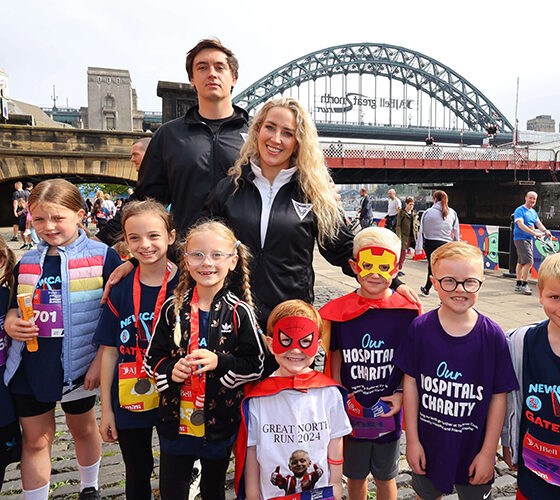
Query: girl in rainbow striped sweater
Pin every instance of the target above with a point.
(66, 275)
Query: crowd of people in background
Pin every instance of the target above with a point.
(190, 311)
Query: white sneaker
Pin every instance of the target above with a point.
(517, 288)
(525, 290)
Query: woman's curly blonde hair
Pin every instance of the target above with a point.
(312, 174)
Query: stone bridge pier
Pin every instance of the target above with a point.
(78, 155)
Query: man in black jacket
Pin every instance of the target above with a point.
(366, 214)
(189, 155)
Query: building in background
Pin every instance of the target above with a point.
(542, 123)
(112, 102)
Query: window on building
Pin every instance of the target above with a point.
(109, 101)
(110, 121)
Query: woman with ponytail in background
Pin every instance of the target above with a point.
(439, 225)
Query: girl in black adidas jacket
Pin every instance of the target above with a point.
(204, 349)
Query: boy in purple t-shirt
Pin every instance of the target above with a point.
(457, 373)
(366, 328)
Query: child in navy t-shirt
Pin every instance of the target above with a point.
(129, 398)
(531, 434)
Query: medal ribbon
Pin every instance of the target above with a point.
(198, 382)
(136, 296)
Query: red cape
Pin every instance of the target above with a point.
(353, 305)
(269, 387)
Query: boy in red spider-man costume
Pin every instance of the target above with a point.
(295, 408)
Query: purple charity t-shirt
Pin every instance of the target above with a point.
(367, 344)
(456, 377)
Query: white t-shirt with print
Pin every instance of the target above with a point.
(292, 420)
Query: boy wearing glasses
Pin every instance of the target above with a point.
(367, 326)
(457, 373)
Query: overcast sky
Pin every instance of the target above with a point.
(489, 43)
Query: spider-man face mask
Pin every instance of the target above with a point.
(377, 260)
(295, 332)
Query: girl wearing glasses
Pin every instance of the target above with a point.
(205, 348)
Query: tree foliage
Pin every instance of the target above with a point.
(89, 190)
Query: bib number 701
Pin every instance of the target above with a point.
(44, 316)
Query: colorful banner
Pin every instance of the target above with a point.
(486, 238)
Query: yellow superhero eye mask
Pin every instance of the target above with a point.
(377, 260)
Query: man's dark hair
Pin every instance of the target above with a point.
(28, 185)
(211, 43)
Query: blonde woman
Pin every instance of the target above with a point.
(279, 201)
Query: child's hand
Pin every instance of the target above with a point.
(207, 360)
(482, 468)
(107, 427)
(394, 401)
(93, 375)
(19, 329)
(416, 457)
(507, 458)
(181, 371)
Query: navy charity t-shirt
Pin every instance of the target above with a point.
(116, 329)
(192, 445)
(367, 344)
(7, 415)
(540, 419)
(456, 378)
(40, 373)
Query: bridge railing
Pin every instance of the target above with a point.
(355, 155)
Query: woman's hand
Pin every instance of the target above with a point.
(408, 293)
(205, 359)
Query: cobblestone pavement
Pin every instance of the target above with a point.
(496, 300)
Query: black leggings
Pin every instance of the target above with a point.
(175, 473)
(136, 447)
(429, 247)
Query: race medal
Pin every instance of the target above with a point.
(197, 417)
(136, 391)
(193, 390)
(142, 386)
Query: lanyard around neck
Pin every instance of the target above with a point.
(136, 298)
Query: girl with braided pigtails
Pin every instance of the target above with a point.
(204, 349)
